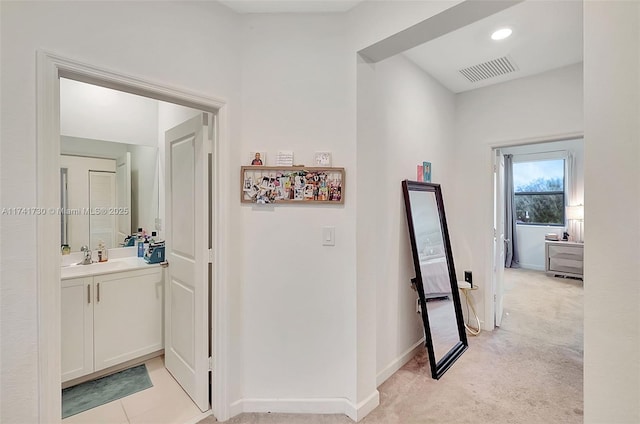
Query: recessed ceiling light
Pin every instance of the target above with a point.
(501, 34)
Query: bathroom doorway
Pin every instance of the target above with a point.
(51, 69)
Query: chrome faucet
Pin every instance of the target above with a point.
(87, 256)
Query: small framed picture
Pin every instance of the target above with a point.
(322, 159)
(257, 158)
(426, 171)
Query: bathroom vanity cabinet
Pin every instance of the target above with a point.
(110, 318)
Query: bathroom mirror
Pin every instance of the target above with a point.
(121, 179)
(435, 281)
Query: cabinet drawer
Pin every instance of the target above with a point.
(567, 252)
(566, 265)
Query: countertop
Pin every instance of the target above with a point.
(99, 268)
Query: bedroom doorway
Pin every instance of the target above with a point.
(545, 179)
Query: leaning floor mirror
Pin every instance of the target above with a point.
(435, 281)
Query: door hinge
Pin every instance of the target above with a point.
(210, 363)
(210, 256)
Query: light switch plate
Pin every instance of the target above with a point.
(328, 236)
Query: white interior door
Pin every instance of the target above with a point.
(123, 196)
(498, 239)
(187, 229)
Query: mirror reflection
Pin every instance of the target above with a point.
(435, 275)
(110, 190)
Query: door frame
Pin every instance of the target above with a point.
(490, 295)
(498, 233)
(50, 67)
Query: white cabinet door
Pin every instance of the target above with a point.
(77, 327)
(128, 316)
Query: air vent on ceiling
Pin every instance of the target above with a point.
(490, 69)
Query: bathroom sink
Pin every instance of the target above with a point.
(96, 268)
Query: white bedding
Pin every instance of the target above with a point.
(435, 276)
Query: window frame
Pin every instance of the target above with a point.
(543, 157)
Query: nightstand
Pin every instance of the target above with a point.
(564, 258)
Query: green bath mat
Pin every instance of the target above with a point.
(94, 393)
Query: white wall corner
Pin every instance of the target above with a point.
(235, 408)
(362, 409)
(399, 362)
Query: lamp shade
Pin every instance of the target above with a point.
(575, 212)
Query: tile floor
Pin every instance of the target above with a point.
(164, 403)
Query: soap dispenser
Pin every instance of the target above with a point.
(103, 252)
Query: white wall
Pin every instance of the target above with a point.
(531, 108)
(612, 221)
(530, 239)
(90, 111)
(416, 116)
(192, 45)
(300, 305)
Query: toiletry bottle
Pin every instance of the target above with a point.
(140, 248)
(103, 254)
(154, 235)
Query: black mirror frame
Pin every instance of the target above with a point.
(439, 368)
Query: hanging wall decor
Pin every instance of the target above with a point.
(292, 184)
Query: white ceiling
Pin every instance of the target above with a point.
(290, 6)
(546, 35)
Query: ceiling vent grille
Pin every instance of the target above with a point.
(490, 69)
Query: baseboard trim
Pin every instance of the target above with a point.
(362, 409)
(308, 406)
(532, 267)
(399, 362)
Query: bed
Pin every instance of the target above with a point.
(433, 266)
